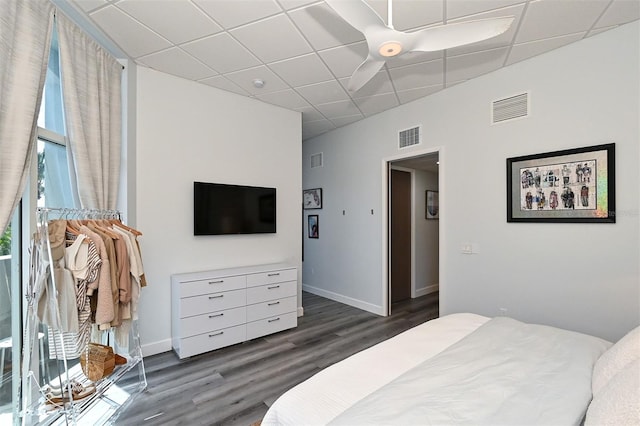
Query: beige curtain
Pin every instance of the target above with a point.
(91, 91)
(25, 37)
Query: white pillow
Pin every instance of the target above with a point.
(616, 358)
(618, 403)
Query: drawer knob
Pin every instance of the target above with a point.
(216, 297)
(273, 303)
(272, 287)
(216, 315)
(216, 282)
(274, 320)
(216, 334)
(275, 274)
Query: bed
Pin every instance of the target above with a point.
(471, 369)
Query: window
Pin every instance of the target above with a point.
(50, 186)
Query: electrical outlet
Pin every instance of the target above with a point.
(503, 312)
(467, 248)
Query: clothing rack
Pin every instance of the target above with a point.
(113, 392)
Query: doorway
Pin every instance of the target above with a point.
(413, 234)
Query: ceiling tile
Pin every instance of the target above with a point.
(524, 51)
(334, 110)
(619, 12)
(343, 121)
(187, 21)
(344, 60)
(244, 79)
(374, 104)
(417, 93)
(379, 84)
(90, 5)
(309, 113)
(133, 37)
(323, 27)
(232, 13)
(272, 39)
(458, 8)
(294, 4)
(315, 128)
(464, 67)
(418, 75)
(286, 99)
(221, 82)
(550, 18)
(411, 14)
(177, 62)
(315, 70)
(322, 93)
(502, 40)
(222, 53)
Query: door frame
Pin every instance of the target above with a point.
(385, 255)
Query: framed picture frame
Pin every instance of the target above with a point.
(313, 230)
(432, 205)
(568, 186)
(312, 199)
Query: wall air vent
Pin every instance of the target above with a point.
(510, 108)
(410, 137)
(316, 160)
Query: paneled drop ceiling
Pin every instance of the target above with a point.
(304, 53)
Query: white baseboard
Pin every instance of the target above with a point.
(427, 290)
(156, 347)
(301, 311)
(365, 306)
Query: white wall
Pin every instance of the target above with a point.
(425, 236)
(190, 132)
(582, 94)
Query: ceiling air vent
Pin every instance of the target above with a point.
(409, 137)
(510, 108)
(316, 160)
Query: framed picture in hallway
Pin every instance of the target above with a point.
(573, 185)
(432, 205)
(312, 198)
(313, 230)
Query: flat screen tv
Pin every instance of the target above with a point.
(221, 209)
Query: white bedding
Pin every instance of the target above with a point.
(327, 394)
(365, 389)
(504, 373)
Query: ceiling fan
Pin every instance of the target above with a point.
(385, 42)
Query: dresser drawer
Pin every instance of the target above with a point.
(212, 340)
(271, 308)
(271, 292)
(212, 321)
(272, 277)
(197, 305)
(271, 325)
(212, 285)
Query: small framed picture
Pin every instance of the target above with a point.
(312, 198)
(313, 230)
(432, 205)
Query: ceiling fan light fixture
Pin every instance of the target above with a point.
(390, 48)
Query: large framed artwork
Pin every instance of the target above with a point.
(573, 185)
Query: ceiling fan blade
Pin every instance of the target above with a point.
(458, 34)
(358, 14)
(364, 73)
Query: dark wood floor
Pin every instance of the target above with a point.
(236, 385)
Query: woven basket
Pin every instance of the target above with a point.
(98, 361)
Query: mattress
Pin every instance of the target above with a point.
(326, 395)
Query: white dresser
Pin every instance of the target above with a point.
(213, 309)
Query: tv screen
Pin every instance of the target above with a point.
(220, 209)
